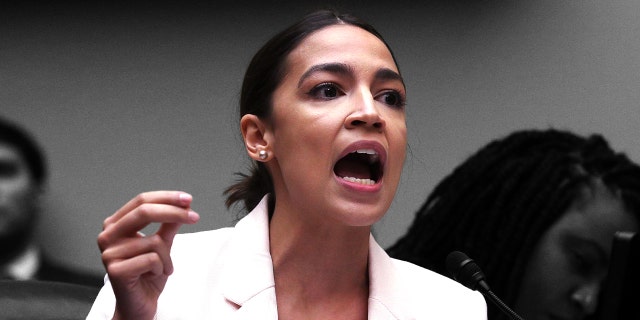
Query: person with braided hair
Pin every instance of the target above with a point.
(537, 210)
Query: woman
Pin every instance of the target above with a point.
(322, 114)
(537, 210)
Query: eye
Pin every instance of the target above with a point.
(581, 263)
(325, 91)
(392, 98)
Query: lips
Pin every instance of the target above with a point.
(362, 163)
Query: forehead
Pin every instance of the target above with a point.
(345, 43)
(599, 215)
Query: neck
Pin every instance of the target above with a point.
(320, 254)
(316, 266)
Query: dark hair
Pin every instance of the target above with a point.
(264, 73)
(498, 203)
(25, 144)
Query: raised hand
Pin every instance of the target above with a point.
(138, 265)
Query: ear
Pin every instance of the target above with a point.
(256, 136)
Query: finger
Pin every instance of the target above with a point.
(176, 198)
(131, 248)
(128, 270)
(129, 226)
(168, 230)
(148, 213)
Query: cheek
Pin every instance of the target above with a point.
(398, 143)
(533, 294)
(17, 207)
(302, 153)
(397, 128)
(548, 274)
(15, 191)
(303, 138)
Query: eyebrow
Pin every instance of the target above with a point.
(383, 74)
(337, 68)
(386, 74)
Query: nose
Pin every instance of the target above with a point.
(365, 112)
(586, 297)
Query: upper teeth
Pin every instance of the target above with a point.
(367, 151)
(373, 155)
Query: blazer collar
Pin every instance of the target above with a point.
(385, 288)
(249, 269)
(248, 273)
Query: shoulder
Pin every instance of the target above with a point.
(193, 245)
(426, 294)
(403, 290)
(418, 278)
(202, 236)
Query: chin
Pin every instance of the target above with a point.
(362, 215)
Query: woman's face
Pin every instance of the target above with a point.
(337, 130)
(568, 266)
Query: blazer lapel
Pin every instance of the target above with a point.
(383, 303)
(248, 273)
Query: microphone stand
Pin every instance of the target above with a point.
(501, 305)
(464, 270)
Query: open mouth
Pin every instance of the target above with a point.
(362, 166)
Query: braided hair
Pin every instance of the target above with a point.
(498, 204)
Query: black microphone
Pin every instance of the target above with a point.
(466, 271)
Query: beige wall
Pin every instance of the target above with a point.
(133, 99)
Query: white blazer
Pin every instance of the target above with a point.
(228, 274)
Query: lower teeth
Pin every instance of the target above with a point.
(360, 181)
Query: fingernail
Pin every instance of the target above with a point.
(185, 198)
(193, 216)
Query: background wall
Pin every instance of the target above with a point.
(128, 98)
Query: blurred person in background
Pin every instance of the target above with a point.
(23, 173)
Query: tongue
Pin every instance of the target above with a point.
(349, 166)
